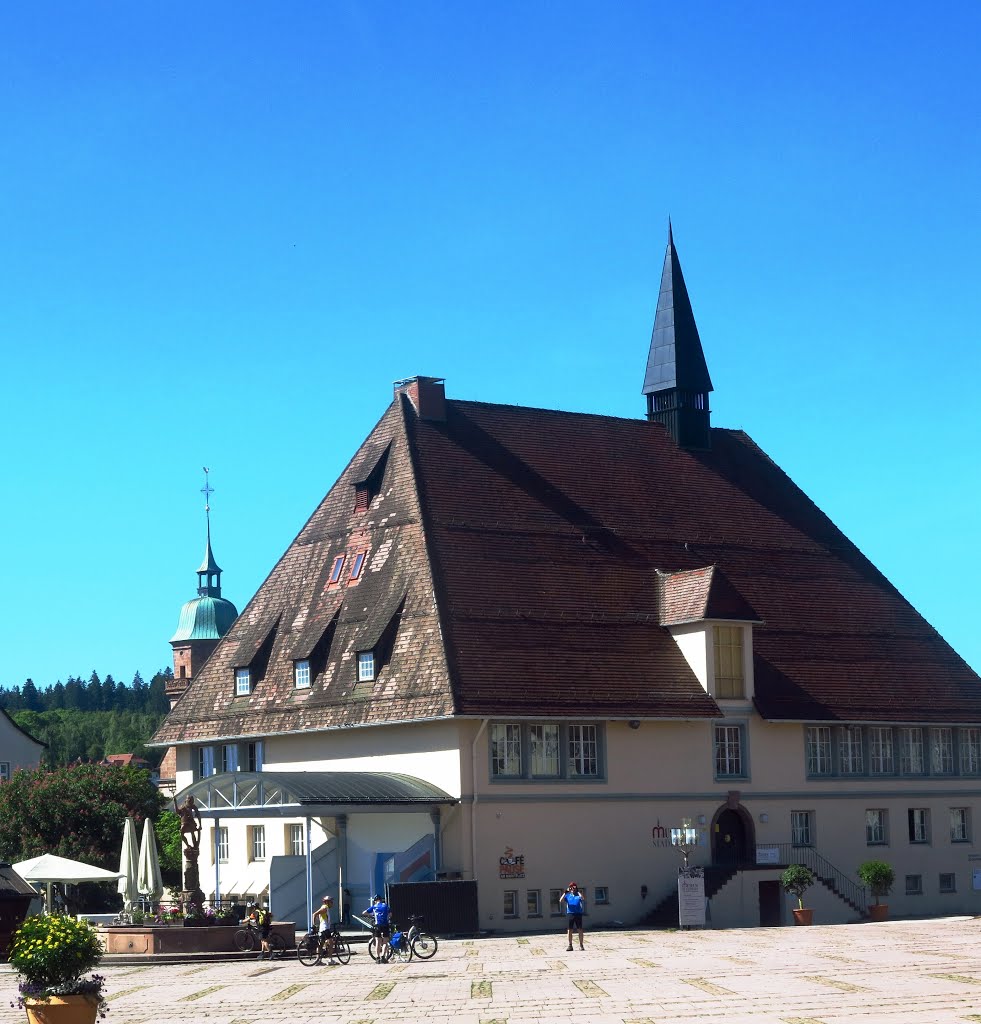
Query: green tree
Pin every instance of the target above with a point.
(76, 811)
(168, 829)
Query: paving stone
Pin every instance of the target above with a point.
(895, 973)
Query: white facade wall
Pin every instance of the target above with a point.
(17, 749)
(612, 833)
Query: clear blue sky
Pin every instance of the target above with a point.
(226, 228)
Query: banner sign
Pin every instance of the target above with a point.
(691, 898)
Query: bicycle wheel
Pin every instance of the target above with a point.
(308, 951)
(342, 950)
(277, 945)
(245, 940)
(372, 952)
(424, 945)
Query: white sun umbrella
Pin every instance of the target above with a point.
(48, 869)
(128, 866)
(148, 880)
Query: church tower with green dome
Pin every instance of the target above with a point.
(204, 620)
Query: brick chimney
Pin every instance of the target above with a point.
(426, 394)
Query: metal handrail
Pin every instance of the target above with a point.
(846, 887)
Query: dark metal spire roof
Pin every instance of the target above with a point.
(209, 564)
(676, 359)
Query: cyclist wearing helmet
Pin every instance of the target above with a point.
(381, 912)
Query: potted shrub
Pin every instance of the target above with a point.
(52, 955)
(796, 880)
(879, 877)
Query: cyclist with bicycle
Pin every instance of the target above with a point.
(381, 912)
(326, 932)
(261, 917)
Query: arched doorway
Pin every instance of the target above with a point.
(732, 837)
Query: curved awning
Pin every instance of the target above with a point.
(314, 794)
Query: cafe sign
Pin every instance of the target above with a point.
(512, 864)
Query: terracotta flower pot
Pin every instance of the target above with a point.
(878, 911)
(805, 916)
(81, 1009)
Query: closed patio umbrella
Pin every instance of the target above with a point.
(128, 867)
(149, 883)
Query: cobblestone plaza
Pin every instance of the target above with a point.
(922, 971)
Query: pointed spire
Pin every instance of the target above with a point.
(677, 383)
(209, 573)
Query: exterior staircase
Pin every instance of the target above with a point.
(665, 913)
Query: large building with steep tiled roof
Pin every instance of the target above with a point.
(579, 631)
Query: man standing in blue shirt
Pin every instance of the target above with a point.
(574, 906)
(380, 911)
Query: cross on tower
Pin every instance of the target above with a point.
(207, 490)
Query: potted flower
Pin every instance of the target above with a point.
(879, 877)
(52, 955)
(797, 879)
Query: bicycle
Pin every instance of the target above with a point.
(311, 948)
(248, 940)
(423, 944)
(403, 946)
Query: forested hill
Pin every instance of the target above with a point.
(86, 720)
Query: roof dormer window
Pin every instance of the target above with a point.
(730, 676)
(243, 682)
(337, 569)
(366, 666)
(357, 565)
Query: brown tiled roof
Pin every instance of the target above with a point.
(698, 594)
(517, 553)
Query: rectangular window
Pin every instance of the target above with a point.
(554, 907)
(919, 824)
(366, 666)
(229, 757)
(880, 750)
(258, 842)
(206, 762)
(729, 677)
(583, 750)
(948, 881)
(942, 751)
(914, 885)
(505, 750)
(357, 565)
(253, 752)
(534, 903)
(728, 751)
(510, 902)
(802, 828)
(818, 742)
(875, 827)
(4, 771)
(970, 748)
(851, 758)
(336, 569)
(544, 749)
(243, 682)
(911, 751)
(222, 844)
(601, 895)
(959, 832)
(301, 674)
(294, 840)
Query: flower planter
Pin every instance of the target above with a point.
(878, 911)
(805, 916)
(81, 1009)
